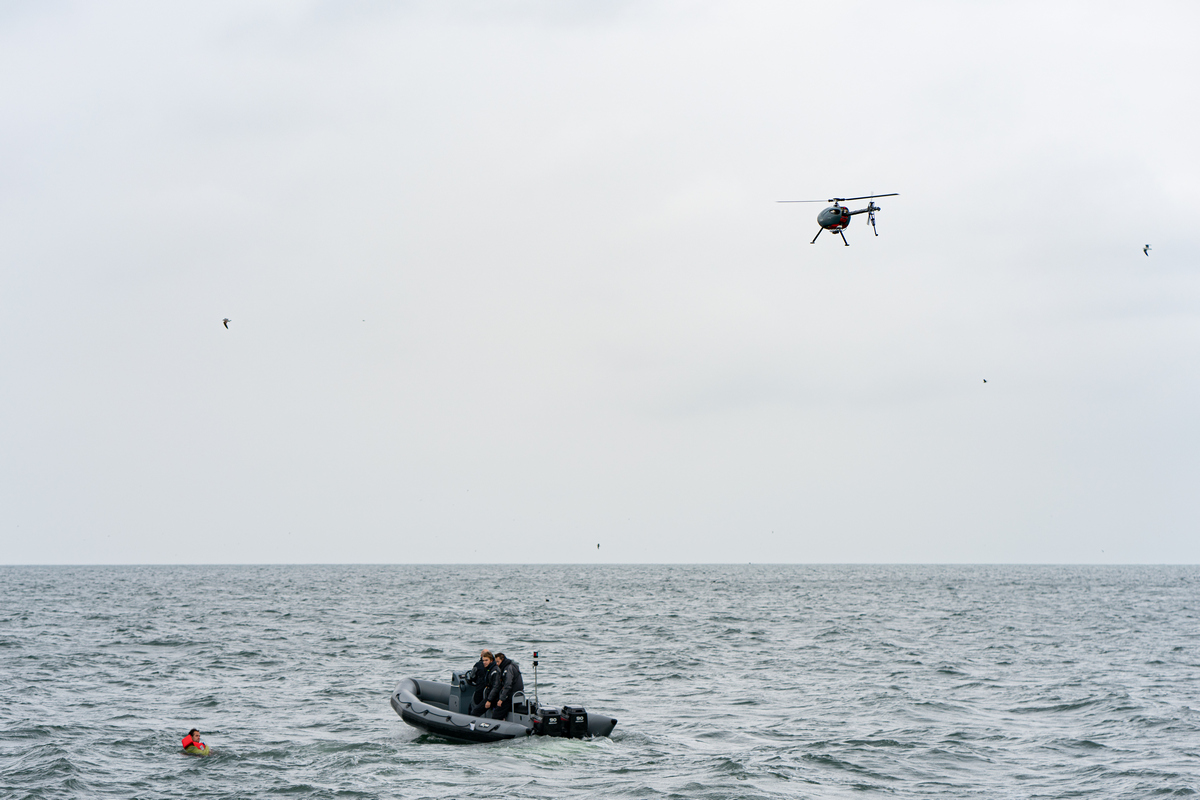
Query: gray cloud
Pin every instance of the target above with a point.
(506, 280)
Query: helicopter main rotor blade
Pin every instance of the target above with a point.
(864, 197)
(801, 201)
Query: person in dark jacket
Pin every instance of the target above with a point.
(493, 686)
(509, 683)
(481, 676)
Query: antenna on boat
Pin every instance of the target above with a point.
(535, 700)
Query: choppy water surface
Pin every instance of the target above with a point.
(728, 681)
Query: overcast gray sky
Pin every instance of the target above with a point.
(508, 280)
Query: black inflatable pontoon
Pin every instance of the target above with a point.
(443, 709)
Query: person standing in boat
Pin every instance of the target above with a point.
(481, 676)
(509, 683)
(490, 688)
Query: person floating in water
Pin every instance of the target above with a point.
(193, 745)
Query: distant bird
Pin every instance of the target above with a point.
(597, 547)
(1146, 249)
(985, 380)
(225, 322)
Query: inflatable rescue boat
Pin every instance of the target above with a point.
(443, 709)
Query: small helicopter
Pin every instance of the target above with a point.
(837, 216)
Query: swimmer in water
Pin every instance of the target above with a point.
(192, 743)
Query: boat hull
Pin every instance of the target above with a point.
(417, 703)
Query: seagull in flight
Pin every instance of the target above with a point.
(225, 322)
(1146, 249)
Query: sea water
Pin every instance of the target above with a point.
(727, 681)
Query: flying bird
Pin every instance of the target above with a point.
(985, 380)
(1146, 249)
(225, 322)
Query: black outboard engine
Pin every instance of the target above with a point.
(547, 721)
(575, 722)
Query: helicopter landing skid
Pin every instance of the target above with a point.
(840, 233)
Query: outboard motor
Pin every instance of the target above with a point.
(547, 721)
(575, 722)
